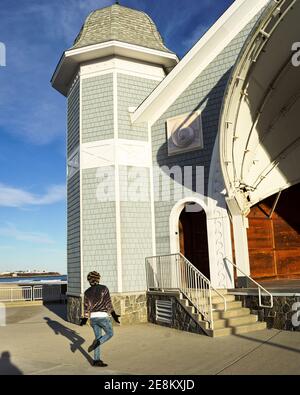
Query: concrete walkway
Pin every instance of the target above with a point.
(37, 340)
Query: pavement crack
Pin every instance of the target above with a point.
(248, 353)
(49, 369)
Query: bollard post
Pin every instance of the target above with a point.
(2, 314)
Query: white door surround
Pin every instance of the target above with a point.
(220, 276)
(174, 220)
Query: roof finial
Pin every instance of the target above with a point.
(117, 2)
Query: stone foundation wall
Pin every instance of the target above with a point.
(181, 319)
(131, 306)
(280, 316)
(74, 309)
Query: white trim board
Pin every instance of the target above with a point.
(71, 59)
(115, 151)
(117, 189)
(153, 224)
(123, 66)
(80, 193)
(197, 59)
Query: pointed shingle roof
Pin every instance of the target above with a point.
(119, 23)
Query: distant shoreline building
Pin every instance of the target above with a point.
(29, 274)
(217, 127)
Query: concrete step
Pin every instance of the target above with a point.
(190, 309)
(243, 318)
(184, 302)
(219, 332)
(215, 299)
(235, 322)
(231, 313)
(219, 324)
(257, 326)
(252, 327)
(219, 299)
(230, 305)
(204, 325)
(220, 291)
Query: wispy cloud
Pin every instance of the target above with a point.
(179, 16)
(14, 197)
(194, 37)
(62, 19)
(10, 231)
(183, 23)
(40, 122)
(58, 19)
(31, 110)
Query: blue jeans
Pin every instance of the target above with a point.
(98, 324)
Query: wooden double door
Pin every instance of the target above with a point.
(274, 236)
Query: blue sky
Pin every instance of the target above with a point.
(33, 115)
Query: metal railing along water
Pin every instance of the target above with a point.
(46, 293)
(176, 272)
(38, 292)
(260, 287)
(15, 294)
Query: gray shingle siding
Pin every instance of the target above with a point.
(132, 91)
(136, 230)
(98, 230)
(97, 108)
(73, 118)
(73, 234)
(205, 94)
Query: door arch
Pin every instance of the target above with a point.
(188, 223)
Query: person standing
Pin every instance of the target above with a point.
(97, 307)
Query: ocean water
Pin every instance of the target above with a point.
(18, 280)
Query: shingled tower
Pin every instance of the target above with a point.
(117, 60)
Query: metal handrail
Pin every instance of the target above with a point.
(260, 287)
(175, 271)
(207, 280)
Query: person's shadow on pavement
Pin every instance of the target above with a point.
(7, 367)
(76, 341)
